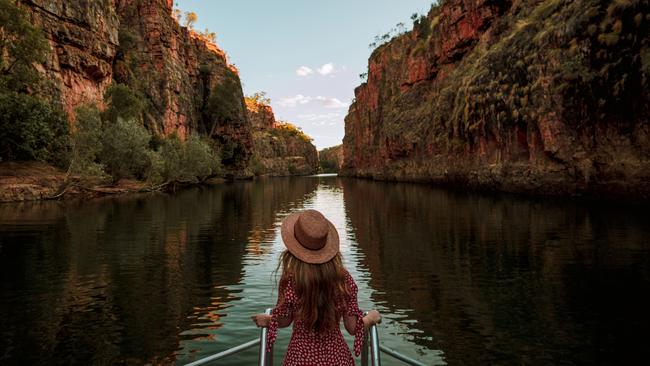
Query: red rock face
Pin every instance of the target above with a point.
(139, 43)
(261, 116)
(83, 37)
(527, 96)
(278, 152)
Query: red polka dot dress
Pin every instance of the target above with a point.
(307, 347)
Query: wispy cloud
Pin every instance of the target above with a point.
(331, 102)
(326, 69)
(324, 119)
(304, 71)
(297, 99)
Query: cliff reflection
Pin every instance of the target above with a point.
(502, 280)
(125, 280)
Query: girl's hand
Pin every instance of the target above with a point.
(374, 317)
(261, 320)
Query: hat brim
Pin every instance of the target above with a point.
(320, 256)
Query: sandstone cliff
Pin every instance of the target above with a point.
(331, 159)
(83, 37)
(279, 148)
(544, 96)
(179, 74)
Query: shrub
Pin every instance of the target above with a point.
(122, 103)
(200, 159)
(128, 40)
(288, 129)
(225, 104)
(256, 165)
(21, 45)
(232, 153)
(87, 142)
(32, 129)
(192, 161)
(172, 154)
(125, 149)
(260, 98)
(154, 173)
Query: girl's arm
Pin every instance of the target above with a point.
(369, 319)
(262, 320)
(284, 322)
(282, 314)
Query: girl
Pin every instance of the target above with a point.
(315, 293)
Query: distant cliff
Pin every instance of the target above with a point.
(331, 159)
(279, 148)
(181, 76)
(537, 96)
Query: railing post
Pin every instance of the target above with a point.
(374, 345)
(265, 357)
(364, 351)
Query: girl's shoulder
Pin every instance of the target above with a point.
(286, 280)
(287, 289)
(349, 281)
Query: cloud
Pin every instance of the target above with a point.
(324, 119)
(299, 99)
(331, 102)
(291, 102)
(304, 71)
(326, 69)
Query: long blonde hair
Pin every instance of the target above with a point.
(319, 288)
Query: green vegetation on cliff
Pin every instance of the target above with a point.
(526, 95)
(279, 148)
(587, 55)
(125, 149)
(153, 106)
(331, 159)
(30, 128)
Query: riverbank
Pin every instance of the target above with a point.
(33, 181)
(516, 179)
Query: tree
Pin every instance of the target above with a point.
(125, 149)
(225, 103)
(21, 45)
(211, 36)
(260, 98)
(190, 161)
(178, 15)
(31, 129)
(122, 103)
(87, 142)
(190, 18)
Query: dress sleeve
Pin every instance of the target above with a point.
(352, 309)
(283, 309)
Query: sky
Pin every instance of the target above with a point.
(306, 55)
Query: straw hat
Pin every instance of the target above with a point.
(310, 237)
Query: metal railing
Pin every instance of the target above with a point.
(266, 354)
(265, 358)
(370, 342)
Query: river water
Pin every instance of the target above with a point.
(461, 279)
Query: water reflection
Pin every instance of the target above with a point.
(113, 281)
(461, 278)
(503, 280)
